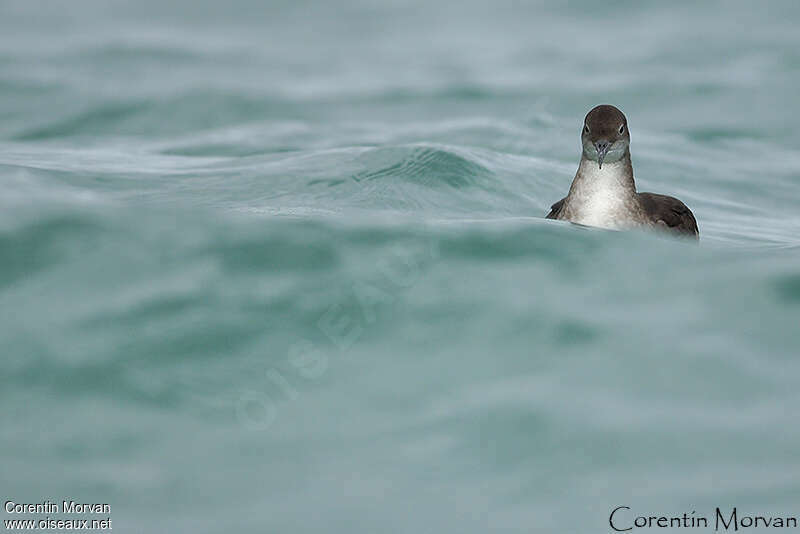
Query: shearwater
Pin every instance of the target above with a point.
(603, 193)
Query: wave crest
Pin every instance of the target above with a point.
(430, 166)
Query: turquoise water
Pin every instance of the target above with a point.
(281, 266)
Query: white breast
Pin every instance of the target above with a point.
(599, 197)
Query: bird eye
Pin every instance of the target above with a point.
(622, 129)
(585, 129)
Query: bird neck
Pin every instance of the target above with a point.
(614, 176)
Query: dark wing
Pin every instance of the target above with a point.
(670, 213)
(555, 209)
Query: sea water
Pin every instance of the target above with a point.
(282, 266)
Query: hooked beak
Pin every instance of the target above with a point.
(602, 148)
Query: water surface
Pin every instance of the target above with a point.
(282, 267)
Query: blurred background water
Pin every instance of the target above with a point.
(281, 266)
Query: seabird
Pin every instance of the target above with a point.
(603, 193)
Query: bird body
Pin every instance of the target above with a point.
(603, 192)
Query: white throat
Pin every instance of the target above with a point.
(600, 197)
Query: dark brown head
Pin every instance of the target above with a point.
(605, 135)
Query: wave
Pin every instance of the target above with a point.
(179, 113)
(425, 165)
